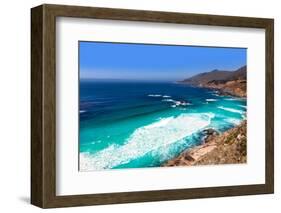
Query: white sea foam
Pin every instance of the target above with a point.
(158, 95)
(233, 121)
(82, 111)
(211, 99)
(146, 139)
(96, 142)
(168, 100)
(176, 103)
(233, 99)
(185, 104)
(154, 95)
(161, 122)
(243, 106)
(231, 110)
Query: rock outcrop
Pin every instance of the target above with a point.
(226, 82)
(229, 147)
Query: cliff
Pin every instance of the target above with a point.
(226, 82)
(229, 147)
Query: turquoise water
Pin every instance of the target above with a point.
(137, 124)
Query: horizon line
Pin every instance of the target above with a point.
(161, 80)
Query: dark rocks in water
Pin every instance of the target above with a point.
(229, 147)
(210, 132)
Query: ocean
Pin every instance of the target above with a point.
(144, 124)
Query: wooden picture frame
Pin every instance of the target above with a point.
(43, 105)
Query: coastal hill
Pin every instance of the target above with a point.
(227, 82)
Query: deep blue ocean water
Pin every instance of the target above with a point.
(144, 124)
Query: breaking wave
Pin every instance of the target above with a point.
(233, 121)
(211, 99)
(145, 139)
(154, 95)
(231, 110)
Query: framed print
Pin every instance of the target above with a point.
(135, 106)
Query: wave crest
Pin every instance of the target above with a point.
(145, 139)
(231, 110)
(211, 99)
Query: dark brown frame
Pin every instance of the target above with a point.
(43, 105)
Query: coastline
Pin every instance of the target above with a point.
(229, 147)
(235, 88)
(232, 83)
(152, 131)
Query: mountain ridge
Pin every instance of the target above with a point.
(227, 82)
(217, 75)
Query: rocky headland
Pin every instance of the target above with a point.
(229, 147)
(232, 83)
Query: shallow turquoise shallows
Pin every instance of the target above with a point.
(144, 124)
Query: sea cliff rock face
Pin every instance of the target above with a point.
(229, 147)
(226, 82)
(234, 88)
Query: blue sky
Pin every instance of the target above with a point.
(100, 60)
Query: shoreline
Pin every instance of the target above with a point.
(229, 147)
(233, 88)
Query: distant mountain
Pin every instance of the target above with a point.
(217, 76)
(227, 82)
